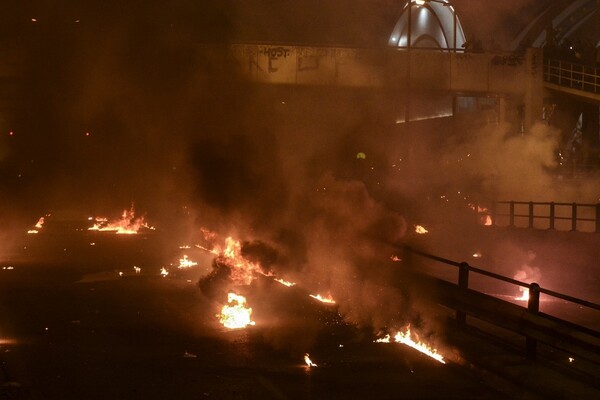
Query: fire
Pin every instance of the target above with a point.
(235, 314)
(328, 299)
(406, 338)
(185, 262)
(243, 272)
(524, 294)
(420, 229)
(164, 272)
(308, 361)
(128, 224)
(37, 226)
(284, 282)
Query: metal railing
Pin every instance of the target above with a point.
(572, 75)
(572, 216)
(527, 321)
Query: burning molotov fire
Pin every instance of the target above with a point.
(128, 224)
(406, 338)
(235, 314)
(284, 282)
(327, 300)
(421, 230)
(38, 225)
(485, 217)
(185, 262)
(308, 361)
(527, 274)
(242, 271)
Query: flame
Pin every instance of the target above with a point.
(284, 282)
(235, 314)
(243, 272)
(38, 225)
(524, 296)
(128, 224)
(308, 361)
(406, 338)
(186, 263)
(328, 299)
(488, 220)
(420, 229)
(164, 272)
(395, 258)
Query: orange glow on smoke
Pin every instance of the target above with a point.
(524, 296)
(128, 224)
(235, 314)
(406, 338)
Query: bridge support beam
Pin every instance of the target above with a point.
(534, 87)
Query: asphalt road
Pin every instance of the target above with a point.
(148, 337)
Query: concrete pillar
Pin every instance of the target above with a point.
(534, 87)
(590, 130)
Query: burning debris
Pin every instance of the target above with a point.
(235, 314)
(309, 362)
(421, 230)
(38, 226)
(406, 338)
(528, 274)
(128, 224)
(185, 262)
(326, 300)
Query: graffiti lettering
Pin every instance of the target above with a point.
(276, 52)
(511, 60)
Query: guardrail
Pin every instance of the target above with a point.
(528, 321)
(548, 215)
(572, 75)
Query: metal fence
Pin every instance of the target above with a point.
(547, 215)
(527, 321)
(572, 75)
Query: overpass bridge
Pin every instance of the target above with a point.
(517, 77)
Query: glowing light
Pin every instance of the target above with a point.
(308, 361)
(406, 338)
(164, 272)
(477, 255)
(327, 300)
(421, 230)
(235, 314)
(38, 226)
(395, 258)
(243, 272)
(524, 296)
(137, 270)
(419, 2)
(185, 262)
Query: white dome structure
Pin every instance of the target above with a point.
(432, 24)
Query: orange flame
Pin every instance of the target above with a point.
(243, 272)
(38, 226)
(128, 224)
(406, 338)
(235, 314)
(524, 296)
(185, 262)
(328, 299)
(308, 361)
(420, 229)
(284, 282)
